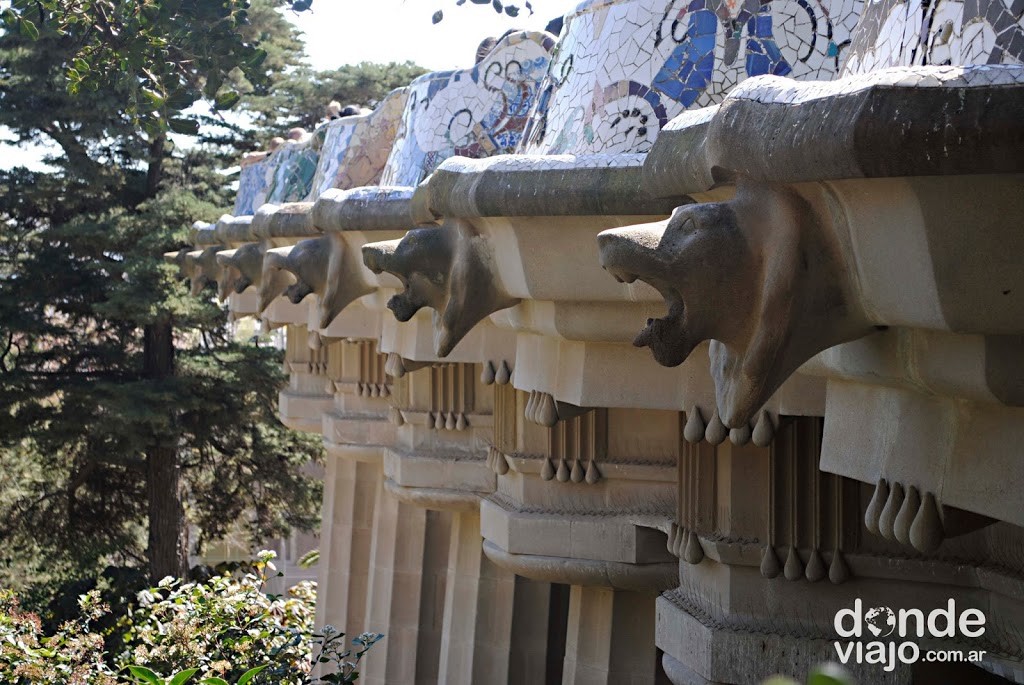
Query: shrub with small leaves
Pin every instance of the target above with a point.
(73, 654)
(224, 627)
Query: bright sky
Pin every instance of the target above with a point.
(348, 31)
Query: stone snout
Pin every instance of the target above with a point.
(274, 278)
(306, 263)
(239, 269)
(760, 276)
(449, 269)
(201, 268)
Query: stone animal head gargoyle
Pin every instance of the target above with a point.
(239, 269)
(307, 263)
(202, 269)
(761, 276)
(275, 279)
(449, 269)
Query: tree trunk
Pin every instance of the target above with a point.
(167, 546)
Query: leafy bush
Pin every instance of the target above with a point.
(224, 627)
(222, 631)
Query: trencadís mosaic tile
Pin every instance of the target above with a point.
(474, 112)
(622, 69)
(947, 32)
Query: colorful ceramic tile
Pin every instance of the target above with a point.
(474, 112)
(948, 32)
(623, 69)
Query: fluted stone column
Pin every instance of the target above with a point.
(407, 569)
(350, 489)
(495, 623)
(610, 638)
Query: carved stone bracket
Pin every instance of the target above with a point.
(449, 269)
(758, 275)
(202, 268)
(239, 269)
(275, 279)
(307, 263)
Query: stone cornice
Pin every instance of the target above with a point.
(553, 185)
(943, 121)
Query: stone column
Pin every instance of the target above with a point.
(407, 572)
(350, 491)
(610, 638)
(495, 623)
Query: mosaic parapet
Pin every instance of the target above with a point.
(355, 149)
(476, 112)
(622, 70)
(897, 33)
(252, 186)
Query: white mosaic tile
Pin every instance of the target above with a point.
(623, 69)
(476, 112)
(947, 32)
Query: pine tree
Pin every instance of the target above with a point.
(127, 414)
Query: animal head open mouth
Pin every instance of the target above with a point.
(403, 306)
(668, 337)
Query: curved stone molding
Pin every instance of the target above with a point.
(624, 69)
(234, 230)
(654, 577)
(944, 120)
(447, 269)
(474, 112)
(293, 221)
(746, 274)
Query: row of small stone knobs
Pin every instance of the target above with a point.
(373, 389)
(814, 570)
(576, 474)
(905, 516)
(686, 545)
(452, 421)
(715, 431)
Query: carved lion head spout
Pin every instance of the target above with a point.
(306, 262)
(448, 269)
(274, 279)
(760, 276)
(239, 269)
(202, 269)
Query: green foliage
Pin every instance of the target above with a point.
(84, 409)
(163, 55)
(299, 98)
(72, 654)
(226, 630)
